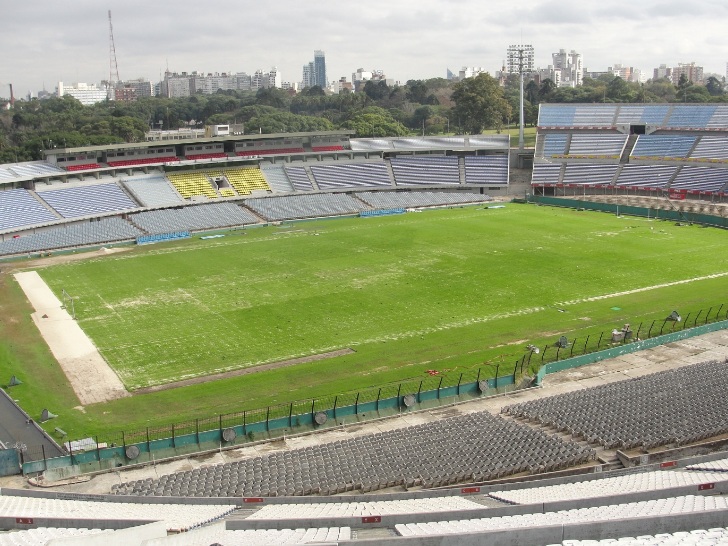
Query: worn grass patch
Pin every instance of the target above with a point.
(447, 289)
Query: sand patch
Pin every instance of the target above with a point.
(90, 376)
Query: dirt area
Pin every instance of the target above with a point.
(83, 254)
(91, 377)
(245, 371)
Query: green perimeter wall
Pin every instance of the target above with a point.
(155, 450)
(628, 210)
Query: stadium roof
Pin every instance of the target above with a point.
(224, 138)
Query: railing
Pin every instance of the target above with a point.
(154, 442)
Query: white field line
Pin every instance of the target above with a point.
(88, 373)
(644, 289)
(396, 336)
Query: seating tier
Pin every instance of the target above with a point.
(473, 447)
(277, 178)
(351, 175)
(89, 200)
(193, 218)
(193, 183)
(305, 206)
(105, 230)
(425, 170)
(415, 199)
(18, 208)
(154, 191)
(486, 169)
(677, 406)
(299, 178)
(246, 180)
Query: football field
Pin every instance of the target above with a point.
(444, 289)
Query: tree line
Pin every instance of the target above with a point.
(429, 107)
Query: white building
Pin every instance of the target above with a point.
(177, 85)
(470, 72)
(87, 94)
(569, 67)
(266, 80)
(662, 71)
(691, 71)
(361, 75)
(274, 78)
(243, 81)
(628, 73)
(308, 75)
(184, 84)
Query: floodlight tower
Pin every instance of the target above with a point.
(113, 67)
(520, 61)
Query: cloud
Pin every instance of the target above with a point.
(51, 41)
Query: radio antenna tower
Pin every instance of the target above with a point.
(113, 67)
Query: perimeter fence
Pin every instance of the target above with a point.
(152, 443)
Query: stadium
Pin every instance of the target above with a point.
(534, 358)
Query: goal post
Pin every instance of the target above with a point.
(68, 303)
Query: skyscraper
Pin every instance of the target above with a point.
(319, 69)
(308, 75)
(314, 73)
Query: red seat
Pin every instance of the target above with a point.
(207, 156)
(142, 161)
(336, 148)
(84, 167)
(269, 151)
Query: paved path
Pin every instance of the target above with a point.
(15, 428)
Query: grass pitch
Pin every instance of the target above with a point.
(446, 289)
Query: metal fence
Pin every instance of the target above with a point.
(206, 433)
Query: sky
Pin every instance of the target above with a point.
(44, 42)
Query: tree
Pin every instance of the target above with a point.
(619, 90)
(375, 122)
(530, 92)
(683, 84)
(272, 96)
(284, 122)
(421, 117)
(697, 93)
(417, 91)
(376, 90)
(313, 91)
(480, 103)
(662, 90)
(714, 86)
(546, 90)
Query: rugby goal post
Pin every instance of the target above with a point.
(68, 299)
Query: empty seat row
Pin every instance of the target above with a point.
(305, 206)
(105, 230)
(177, 517)
(646, 509)
(193, 218)
(351, 175)
(18, 208)
(678, 406)
(88, 200)
(608, 486)
(425, 170)
(417, 199)
(486, 169)
(474, 447)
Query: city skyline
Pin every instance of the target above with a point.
(45, 43)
